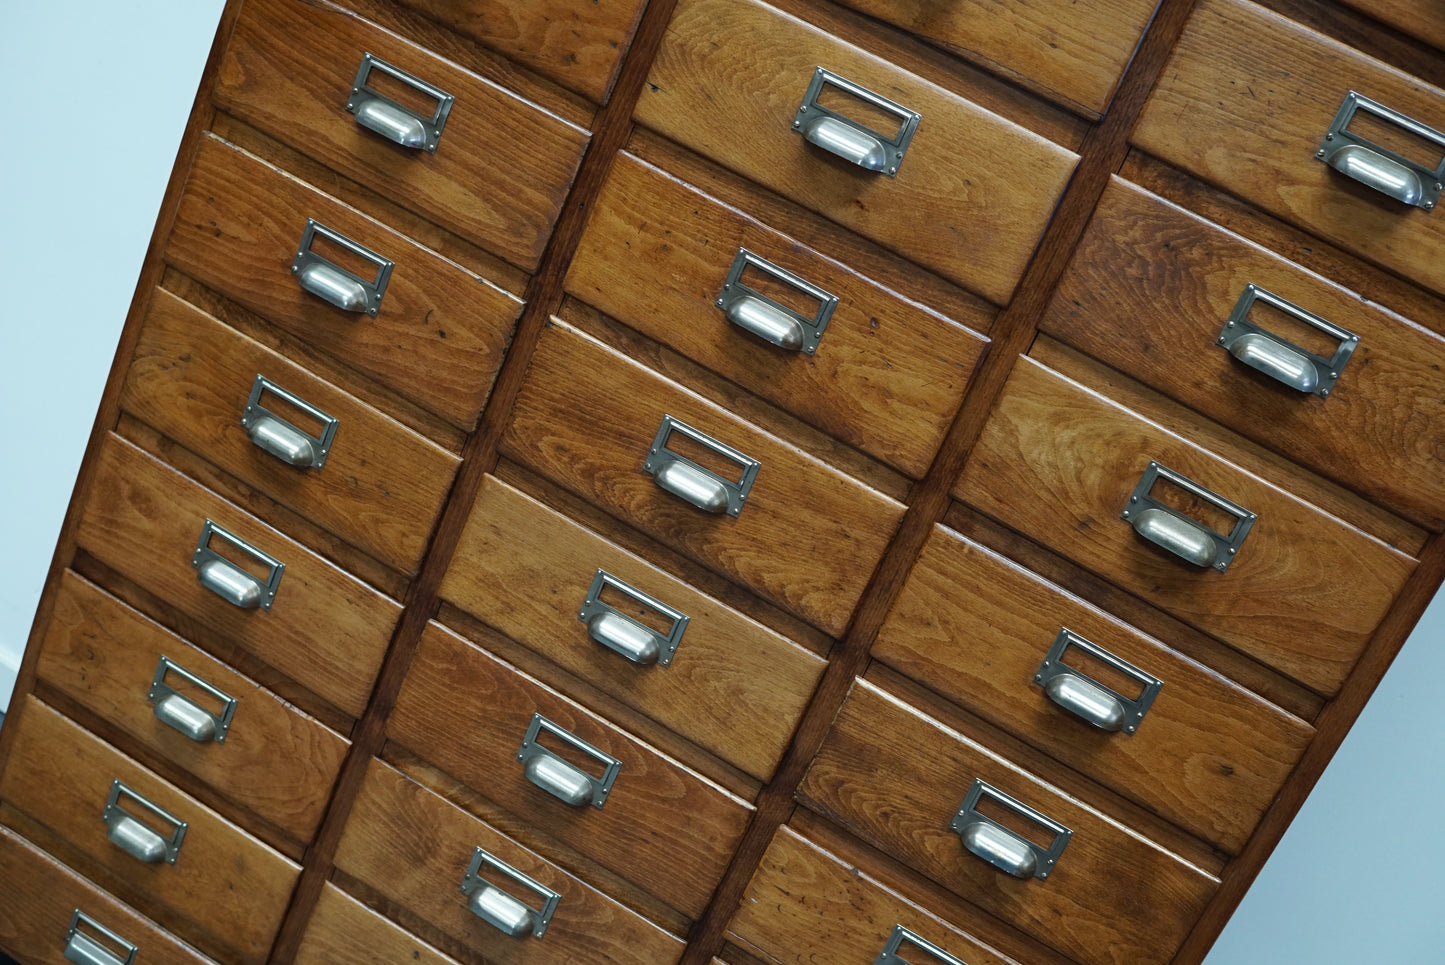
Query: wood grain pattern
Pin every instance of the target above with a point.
(579, 45)
(413, 847)
(105, 654)
(734, 687)
(441, 332)
(1244, 104)
(60, 775)
(35, 930)
(1149, 291)
(896, 777)
(1209, 755)
(1305, 592)
(888, 375)
(1420, 20)
(987, 186)
(325, 629)
(343, 931)
(382, 486)
(288, 70)
(663, 827)
(808, 538)
(1077, 53)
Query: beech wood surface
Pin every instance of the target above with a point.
(325, 629)
(808, 537)
(413, 847)
(987, 187)
(734, 686)
(896, 777)
(502, 166)
(440, 334)
(226, 888)
(888, 375)
(1149, 291)
(663, 827)
(1244, 104)
(1209, 755)
(1305, 592)
(39, 897)
(343, 931)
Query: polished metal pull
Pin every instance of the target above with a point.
(849, 139)
(85, 949)
(509, 915)
(691, 482)
(392, 120)
(621, 633)
(330, 282)
(1002, 848)
(559, 777)
(1087, 698)
(1278, 357)
(282, 439)
(228, 580)
(890, 954)
(1186, 538)
(1379, 167)
(183, 713)
(130, 834)
(768, 319)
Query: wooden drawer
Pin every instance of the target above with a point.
(808, 536)
(897, 777)
(413, 847)
(1380, 430)
(733, 686)
(440, 332)
(343, 931)
(1059, 463)
(888, 374)
(382, 485)
(579, 45)
(1073, 52)
(40, 898)
(1208, 755)
(325, 629)
(106, 655)
(986, 186)
(226, 891)
(502, 165)
(665, 828)
(1259, 93)
(1421, 20)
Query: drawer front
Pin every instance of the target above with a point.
(325, 629)
(439, 333)
(226, 889)
(106, 656)
(733, 686)
(1304, 592)
(1077, 53)
(887, 376)
(1261, 92)
(289, 70)
(1208, 755)
(1421, 20)
(988, 186)
(343, 931)
(898, 777)
(808, 536)
(806, 905)
(1381, 428)
(579, 45)
(38, 903)
(381, 486)
(661, 826)
(414, 848)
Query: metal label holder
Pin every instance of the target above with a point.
(85, 950)
(1001, 847)
(849, 139)
(474, 886)
(228, 580)
(767, 318)
(1186, 538)
(330, 282)
(162, 695)
(392, 120)
(697, 484)
(283, 439)
(632, 639)
(554, 773)
(890, 953)
(128, 832)
(1396, 176)
(1104, 707)
(1279, 358)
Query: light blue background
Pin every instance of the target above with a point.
(98, 97)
